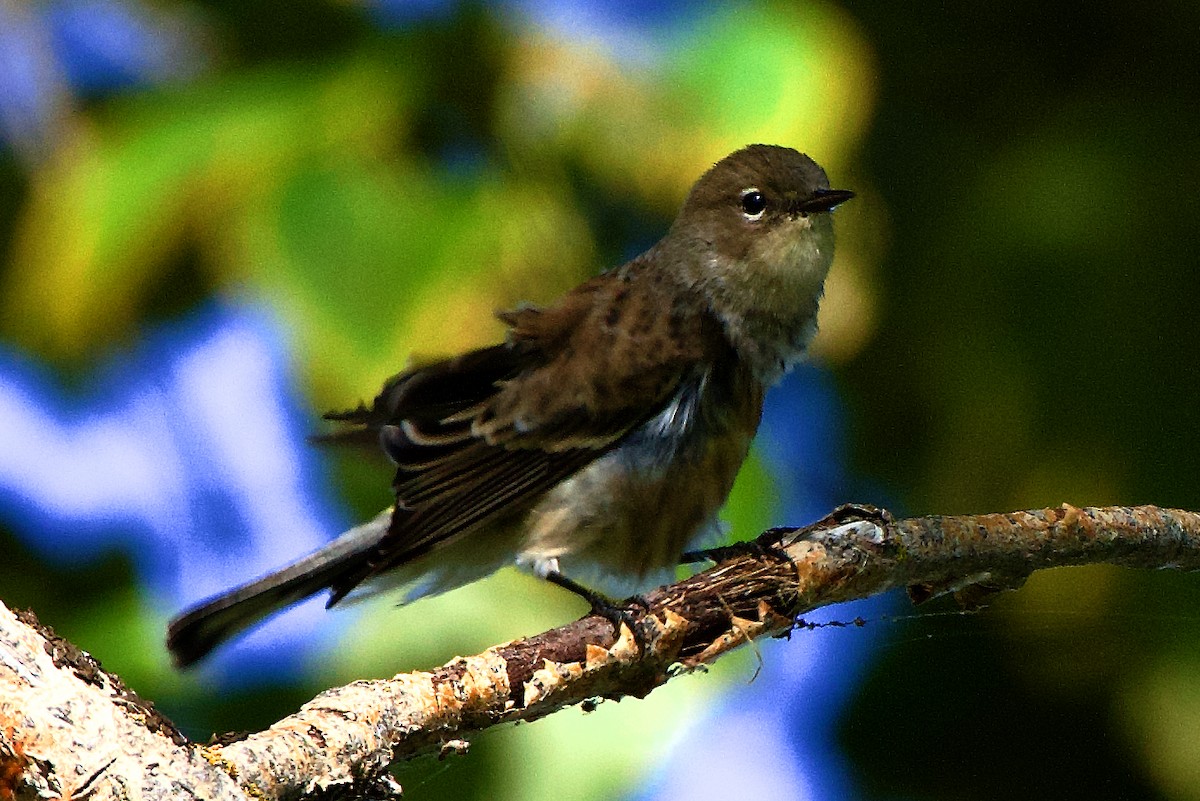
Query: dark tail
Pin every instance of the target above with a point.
(191, 636)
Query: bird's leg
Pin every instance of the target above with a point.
(612, 611)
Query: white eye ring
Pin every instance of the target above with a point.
(754, 204)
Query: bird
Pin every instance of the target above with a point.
(598, 441)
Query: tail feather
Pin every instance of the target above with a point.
(191, 636)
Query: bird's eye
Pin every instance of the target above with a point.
(753, 204)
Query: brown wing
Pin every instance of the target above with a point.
(487, 434)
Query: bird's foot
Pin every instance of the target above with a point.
(616, 613)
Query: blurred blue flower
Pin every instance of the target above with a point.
(633, 32)
(31, 88)
(189, 456)
(51, 52)
(104, 45)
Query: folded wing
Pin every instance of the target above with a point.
(485, 435)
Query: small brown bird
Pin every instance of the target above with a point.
(600, 440)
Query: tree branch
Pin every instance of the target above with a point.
(67, 728)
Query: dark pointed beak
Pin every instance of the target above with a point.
(823, 200)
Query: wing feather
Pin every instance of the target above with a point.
(485, 435)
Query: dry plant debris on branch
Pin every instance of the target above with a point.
(68, 729)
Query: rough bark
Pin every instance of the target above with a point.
(68, 729)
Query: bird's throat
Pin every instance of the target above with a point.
(768, 300)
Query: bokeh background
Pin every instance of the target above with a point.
(219, 219)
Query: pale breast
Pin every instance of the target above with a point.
(621, 523)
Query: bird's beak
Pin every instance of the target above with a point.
(823, 200)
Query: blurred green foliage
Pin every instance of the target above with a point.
(1011, 318)
(384, 191)
(1036, 346)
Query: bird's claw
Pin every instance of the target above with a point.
(612, 611)
(623, 614)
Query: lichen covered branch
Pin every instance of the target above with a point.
(344, 739)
